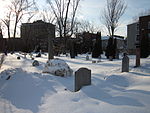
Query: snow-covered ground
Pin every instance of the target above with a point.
(28, 90)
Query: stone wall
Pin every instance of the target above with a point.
(12, 44)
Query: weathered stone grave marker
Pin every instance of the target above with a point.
(93, 61)
(87, 57)
(18, 58)
(51, 36)
(82, 78)
(110, 58)
(24, 54)
(99, 59)
(125, 63)
(35, 63)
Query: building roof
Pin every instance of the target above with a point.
(37, 23)
(107, 37)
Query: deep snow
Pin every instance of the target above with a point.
(28, 90)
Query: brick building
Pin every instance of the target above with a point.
(32, 35)
(137, 33)
(35, 35)
(132, 33)
(144, 35)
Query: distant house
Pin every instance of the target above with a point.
(120, 42)
(144, 35)
(36, 35)
(89, 39)
(138, 31)
(132, 33)
(86, 41)
(32, 35)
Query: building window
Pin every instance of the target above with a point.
(149, 25)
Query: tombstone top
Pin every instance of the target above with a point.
(83, 69)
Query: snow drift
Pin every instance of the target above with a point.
(58, 67)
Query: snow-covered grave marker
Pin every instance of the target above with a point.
(24, 54)
(35, 63)
(93, 61)
(99, 59)
(58, 67)
(87, 57)
(18, 58)
(51, 35)
(31, 55)
(82, 78)
(125, 63)
(110, 58)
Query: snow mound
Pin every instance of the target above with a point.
(118, 80)
(7, 74)
(58, 67)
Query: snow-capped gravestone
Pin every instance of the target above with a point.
(82, 78)
(125, 63)
(58, 67)
(18, 58)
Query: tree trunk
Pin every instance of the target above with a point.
(14, 36)
(8, 32)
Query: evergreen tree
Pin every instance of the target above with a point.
(97, 50)
(114, 48)
(109, 48)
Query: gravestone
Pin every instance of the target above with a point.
(137, 56)
(58, 67)
(125, 63)
(99, 59)
(93, 61)
(87, 57)
(18, 58)
(82, 78)
(24, 54)
(38, 55)
(110, 58)
(31, 56)
(51, 36)
(35, 63)
(72, 50)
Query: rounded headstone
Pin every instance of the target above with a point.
(35, 63)
(18, 58)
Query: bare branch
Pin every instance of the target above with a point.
(112, 13)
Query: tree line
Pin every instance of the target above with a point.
(63, 13)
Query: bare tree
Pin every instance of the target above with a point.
(86, 26)
(142, 13)
(18, 9)
(112, 13)
(47, 16)
(65, 13)
(6, 21)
